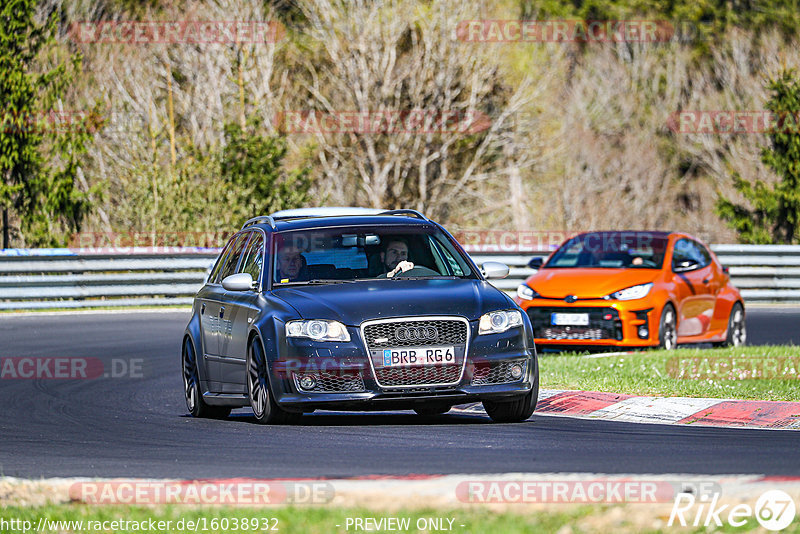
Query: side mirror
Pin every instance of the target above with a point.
(536, 263)
(238, 282)
(494, 269)
(685, 265)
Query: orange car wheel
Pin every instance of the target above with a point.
(668, 328)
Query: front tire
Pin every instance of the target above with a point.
(191, 387)
(668, 328)
(737, 330)
(265, 409)
(515, 411)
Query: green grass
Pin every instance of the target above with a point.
(313, 520)
(723, 373)
(294, 520)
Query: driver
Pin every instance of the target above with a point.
(394, 257)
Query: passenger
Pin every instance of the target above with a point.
(290, 264)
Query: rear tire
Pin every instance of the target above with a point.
(668, 328)
(737, 330)
(515, 411)
(265, 409)
(191, 387)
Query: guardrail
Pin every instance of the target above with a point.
(64, 278)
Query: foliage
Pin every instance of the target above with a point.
(775, 213)
(706, 18)
(252, 172)
(212, 190)
(38, 190)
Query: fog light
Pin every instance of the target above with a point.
(643, 333)
(516, 371)
(308, 382)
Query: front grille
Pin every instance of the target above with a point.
(496, 372)
(332, 383)
(604, 323)
(419, 375)
(415, 333)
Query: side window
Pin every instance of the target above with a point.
(220, 261)
(453, 267)
(689, 250)
(681, 253)
(703, 254)
(232, 260)
(253, 257)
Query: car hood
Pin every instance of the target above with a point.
(353, 303)
(587, 282)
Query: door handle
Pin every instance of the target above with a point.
(202, 308)
(221, 312)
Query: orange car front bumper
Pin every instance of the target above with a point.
(594, 322)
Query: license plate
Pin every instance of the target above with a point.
(569, 319)
(408, 356)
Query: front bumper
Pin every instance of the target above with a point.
(611, 323)
(484, 374)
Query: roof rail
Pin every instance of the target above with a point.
(259, 219)
(299, 213)
(405, 212)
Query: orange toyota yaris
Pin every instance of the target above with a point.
(632, 289)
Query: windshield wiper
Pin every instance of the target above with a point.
(317, 281)
(432, 277)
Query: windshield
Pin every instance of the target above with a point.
(332, 255)
(612, 250)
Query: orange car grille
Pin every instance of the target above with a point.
(604, 323)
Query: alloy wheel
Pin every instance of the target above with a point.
(190, 378)
(257, 380)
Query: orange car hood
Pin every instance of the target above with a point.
(587, 282)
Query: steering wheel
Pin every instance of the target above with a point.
(419, 270)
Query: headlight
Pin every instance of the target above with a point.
(526, 293)
(318, 330)
(499, 321)
(632, 293)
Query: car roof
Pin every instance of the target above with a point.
(328, 217)
(654, 233)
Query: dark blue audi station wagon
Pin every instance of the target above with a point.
(354, 309)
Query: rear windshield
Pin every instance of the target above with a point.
(611, 250)
(365, 253)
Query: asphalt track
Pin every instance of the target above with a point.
(139, 427)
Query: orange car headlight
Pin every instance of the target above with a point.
(632, 293)
(525, 292)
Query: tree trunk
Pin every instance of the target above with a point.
(6, 233)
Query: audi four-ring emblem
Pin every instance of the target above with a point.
(411, 333)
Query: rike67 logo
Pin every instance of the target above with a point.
(774, 510)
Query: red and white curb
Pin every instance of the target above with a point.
(665, 410)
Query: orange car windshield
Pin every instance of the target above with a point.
(611, 250)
